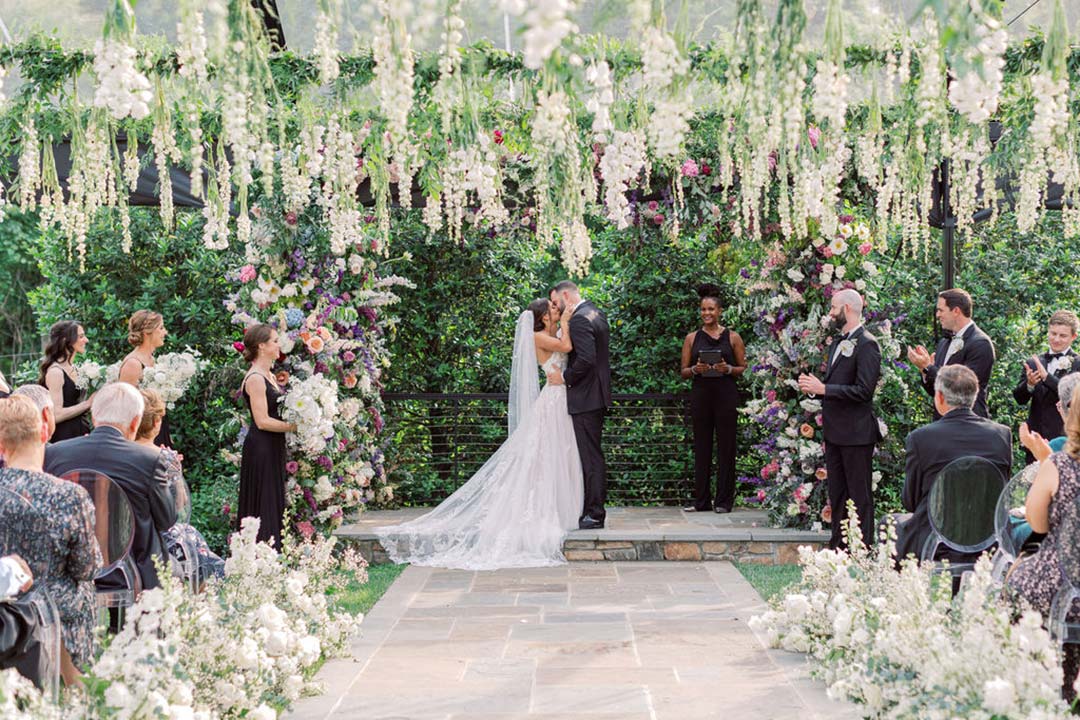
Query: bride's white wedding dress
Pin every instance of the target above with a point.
(515, 511)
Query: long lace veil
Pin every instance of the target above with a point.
(524, 377)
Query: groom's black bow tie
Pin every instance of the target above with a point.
(1054, 356)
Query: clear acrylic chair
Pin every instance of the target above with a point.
(22, 529)
(961, 511)
(1066, 601)
(183, 553)
(1009, 522)
(114, 526)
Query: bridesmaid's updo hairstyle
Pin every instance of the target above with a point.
(709, 291)
(255, 336)
(140, 323)
(540, 308)
(61, 346)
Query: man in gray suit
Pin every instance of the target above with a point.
(138, 470)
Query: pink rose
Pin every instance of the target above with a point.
(290, 219)
(761, 496)
(827, 251)
(865, 248)
(690, 168)
(818, 419)
(814, 134)
(291, 467)
(826, 514)
(348, 356)
(653, 206)
(247, 273)
(658, 219)
(770, 395)
(306, 529)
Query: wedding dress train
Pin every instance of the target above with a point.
(515, 511)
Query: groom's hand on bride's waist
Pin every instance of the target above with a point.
(555, 377)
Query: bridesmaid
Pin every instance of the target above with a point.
(713, 402)
(146, 333)
(262, 465)
(59, 375)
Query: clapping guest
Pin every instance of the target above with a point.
(1037, 445)
(146, 333)
(713, 357)
(1042, 373)
(964, 344)
(262, 465)
(140, 472)
(66, 555)
(209, 564)
(58, 373)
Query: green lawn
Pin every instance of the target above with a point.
(770, 580)
(357, 598)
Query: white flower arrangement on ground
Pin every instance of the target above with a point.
(898, 643)
(312, 404)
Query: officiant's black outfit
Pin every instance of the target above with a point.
(1043, 416)
(714, 400)
(851, 430)
(588, 396)
(977, 353)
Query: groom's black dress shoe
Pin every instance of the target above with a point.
(588, 523)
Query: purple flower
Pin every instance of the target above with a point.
(325, 462)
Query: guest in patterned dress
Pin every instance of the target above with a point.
(1037, 577)
(62, 550)
(209, 565)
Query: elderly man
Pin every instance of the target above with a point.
(964, 344)
(43, 400)
(959, 433)
(847, 408)
(140, 471)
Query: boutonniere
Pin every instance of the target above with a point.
(847, 347)
(956, 345)
(1058, 364)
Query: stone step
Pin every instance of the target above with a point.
(640, 533)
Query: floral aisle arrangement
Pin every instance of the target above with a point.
(247, 644)
(315, 276)
(899, 644)
(788, 294)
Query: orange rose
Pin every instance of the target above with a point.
(305, 336)
(315, 345)
(806, 430)
(826, 514)
(282, 377)
(350, 381)
(821, 473)
(324, 333)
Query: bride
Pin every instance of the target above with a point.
(515, 511)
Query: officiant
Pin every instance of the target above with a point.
(713, 357)
(1041, 373)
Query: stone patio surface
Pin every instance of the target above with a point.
(588, 641)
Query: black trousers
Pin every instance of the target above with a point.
(713, 413)
(588, 428)
(850, 468)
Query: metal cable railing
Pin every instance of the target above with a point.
(438, 441)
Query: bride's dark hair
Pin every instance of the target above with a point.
(539, 307)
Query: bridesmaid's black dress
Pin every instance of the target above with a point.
(76, 426)
(713, 413)
(262, 472)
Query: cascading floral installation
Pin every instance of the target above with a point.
(788, 295)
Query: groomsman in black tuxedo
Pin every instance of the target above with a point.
(847, 407)
(964, 344)
(1041, 374)
(588, 395)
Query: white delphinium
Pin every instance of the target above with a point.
(551, 127)
(191, 45)
(166, 150)
(432, 213)
(3, 74)
(236, 130)
(547, 24)
(661, 60)
(122, 88)
(930, 91)
(831, 94)
(668, 125)
(664, 70)
(623, 161)
(1051, 109)
(29, 166)
(326, 47)
(392, 50)
(295, 184)
(312, 404)
(598, 75)
(975, 94)
(576, 246)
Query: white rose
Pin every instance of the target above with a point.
(247, 655)
(263, 712)
(277, 644)
(840, 272)
(796, 607)
(860, 284)
(118, 696)
(271, 617)
(999, 696)
(309, 650)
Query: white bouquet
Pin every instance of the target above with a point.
(90, 375)
(312, 404)
(172, 374)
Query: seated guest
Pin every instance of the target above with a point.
(1034, 442)
(209, 564)
(65, 553)
(43, 400)
(1037, 577)
(1042, 374)
(139, 471)
(959, 433)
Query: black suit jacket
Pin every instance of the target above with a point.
(588, 369)
(977, 354)
(1043, 416)
(140, 471)
(850, 381)
(930, 448)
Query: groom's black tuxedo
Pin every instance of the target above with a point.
(588, 396)
(850, 429)
(977, 354)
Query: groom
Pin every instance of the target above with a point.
(588, 394)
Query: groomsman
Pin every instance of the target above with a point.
(1041, 373)
(964, 344)
(847, 407)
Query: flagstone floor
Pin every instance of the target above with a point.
(589, 641)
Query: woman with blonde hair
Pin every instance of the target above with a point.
(64, 553)
(146, 333)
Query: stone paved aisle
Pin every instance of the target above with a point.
(588, 641)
